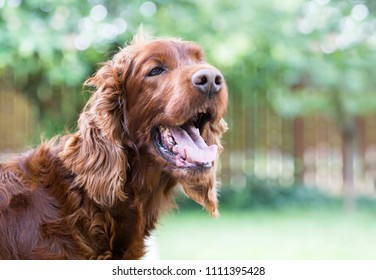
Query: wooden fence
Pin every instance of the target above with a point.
(309, 149)
(17, 119)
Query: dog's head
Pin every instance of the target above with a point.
(161, 98)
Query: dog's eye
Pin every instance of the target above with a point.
(156, 71)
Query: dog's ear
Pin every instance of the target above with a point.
(205, 192)
(97, 152)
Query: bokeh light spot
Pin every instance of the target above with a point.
(98, 12)
(148, 9)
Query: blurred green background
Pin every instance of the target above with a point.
(299, 168)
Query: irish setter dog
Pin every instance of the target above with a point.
(154, 120)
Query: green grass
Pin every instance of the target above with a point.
(285, 234)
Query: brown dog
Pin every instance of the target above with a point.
(154, 120)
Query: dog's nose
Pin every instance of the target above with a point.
(208, 81)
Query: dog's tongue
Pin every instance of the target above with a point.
(191, 145)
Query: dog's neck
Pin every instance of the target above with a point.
(149, 194)
(152, 188)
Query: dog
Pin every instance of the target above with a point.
(154, 120)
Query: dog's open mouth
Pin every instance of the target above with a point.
(184, 146)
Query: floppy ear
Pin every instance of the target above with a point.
(205, 192)
(96, 153)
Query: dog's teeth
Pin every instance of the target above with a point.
(165, 142)
(166, 131)
(175, 149)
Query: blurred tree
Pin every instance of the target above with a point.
(334, 77)
(48, 48)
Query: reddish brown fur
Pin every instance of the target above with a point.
(98, 193)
